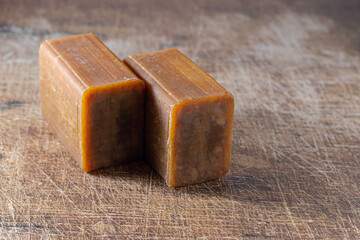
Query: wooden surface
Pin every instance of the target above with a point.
(294, 70)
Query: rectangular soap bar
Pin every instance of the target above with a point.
(188, 118)
(91, 99)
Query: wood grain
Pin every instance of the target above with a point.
(294, 70)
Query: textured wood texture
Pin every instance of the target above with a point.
(294, 70)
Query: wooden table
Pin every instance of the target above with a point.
(294, 70)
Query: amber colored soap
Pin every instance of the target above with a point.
(188, 118)
(92, 101)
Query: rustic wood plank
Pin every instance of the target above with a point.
(294, 70)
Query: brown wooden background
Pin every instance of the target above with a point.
(294, 69)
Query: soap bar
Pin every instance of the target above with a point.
(188, 118)
(92, 100)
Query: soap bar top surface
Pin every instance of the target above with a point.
(90, 60)
(172, 67)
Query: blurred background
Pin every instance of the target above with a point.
(294, 70)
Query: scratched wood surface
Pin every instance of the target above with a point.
(294, 70)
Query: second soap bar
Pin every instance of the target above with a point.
(188, 118)
(92, 101)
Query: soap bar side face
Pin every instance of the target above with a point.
(60, 99)
(201, 132)
(158, 107)
(112, 124)
(157, 127)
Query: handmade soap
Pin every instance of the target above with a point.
(188, 118)
(91, 99)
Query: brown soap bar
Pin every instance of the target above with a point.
(91, 99)
(188, 118)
